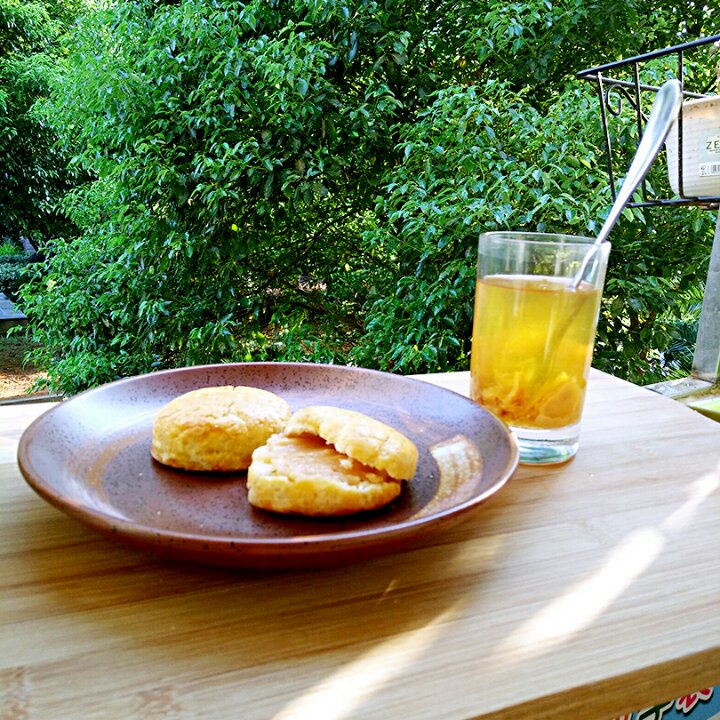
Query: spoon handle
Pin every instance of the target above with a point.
(664, 111)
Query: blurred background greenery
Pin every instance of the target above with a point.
(211, 181)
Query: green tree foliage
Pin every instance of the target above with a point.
(233, 154)
(306, 180)
(32, 171)
(471, 145)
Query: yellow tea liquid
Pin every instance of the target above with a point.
(532, 344)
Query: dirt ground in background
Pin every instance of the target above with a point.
(16, 379)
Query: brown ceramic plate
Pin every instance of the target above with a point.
(90, 457)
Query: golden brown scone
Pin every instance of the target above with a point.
(330, 461)
(216, 429)
(359, 436)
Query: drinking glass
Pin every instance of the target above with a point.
(533, 336)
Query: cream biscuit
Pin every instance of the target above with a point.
(330, 461)
(216, 429)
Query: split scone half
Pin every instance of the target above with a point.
(216, 429)
(330, 461)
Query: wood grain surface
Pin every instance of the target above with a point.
(578, 591)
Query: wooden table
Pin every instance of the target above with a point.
(578, 591)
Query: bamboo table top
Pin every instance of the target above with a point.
(580, 591)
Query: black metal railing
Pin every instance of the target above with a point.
(621, 80)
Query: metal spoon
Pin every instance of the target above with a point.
(664, 111)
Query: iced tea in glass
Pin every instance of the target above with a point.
(533, 336)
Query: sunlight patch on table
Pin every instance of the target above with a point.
(337, 696)
(580, 605)
(699, 491)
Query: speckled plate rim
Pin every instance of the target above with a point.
(150, 536)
